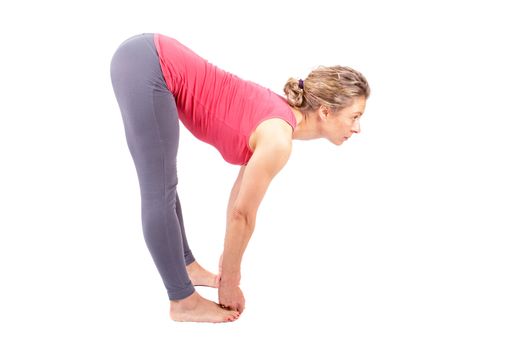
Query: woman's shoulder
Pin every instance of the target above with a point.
(274, 131)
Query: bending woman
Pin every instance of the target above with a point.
(157, 82)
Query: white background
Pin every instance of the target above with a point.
(409, 236)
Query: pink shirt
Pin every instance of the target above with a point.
(217, 107)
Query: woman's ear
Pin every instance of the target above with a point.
(324, 112)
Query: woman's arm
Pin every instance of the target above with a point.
(269, 157)
(234, 192)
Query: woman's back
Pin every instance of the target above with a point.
(216, 106)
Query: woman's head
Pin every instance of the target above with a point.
(335, 96)
(333, 87)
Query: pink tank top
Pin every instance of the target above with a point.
(217, 107)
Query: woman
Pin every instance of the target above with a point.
(157, 82)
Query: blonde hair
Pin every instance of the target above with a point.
(333, 87)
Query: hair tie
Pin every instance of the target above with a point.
(301, 84)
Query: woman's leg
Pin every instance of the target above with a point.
(151, 127)
(152, 132)
(188, 256)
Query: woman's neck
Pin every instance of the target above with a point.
(307, 127)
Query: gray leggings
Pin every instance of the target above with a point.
(151, 125)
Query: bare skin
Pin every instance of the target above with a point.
(201, 277)
(195, 308)
(198, 309)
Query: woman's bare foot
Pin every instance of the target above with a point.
(201, 277)
(197, 309)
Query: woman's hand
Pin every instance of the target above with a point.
(231, 296)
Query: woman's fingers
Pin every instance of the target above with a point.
(226, 307)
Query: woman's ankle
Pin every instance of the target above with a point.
(188, 303)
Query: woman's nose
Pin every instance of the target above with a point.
(356, 127)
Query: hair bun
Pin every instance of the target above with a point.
(294, 92)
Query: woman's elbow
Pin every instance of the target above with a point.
(244, 216)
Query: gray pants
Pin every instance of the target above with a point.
(151, 125)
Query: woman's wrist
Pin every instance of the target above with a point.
(230, 279)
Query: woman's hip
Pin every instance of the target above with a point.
(135, 64)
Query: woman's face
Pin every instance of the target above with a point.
(340, 126)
